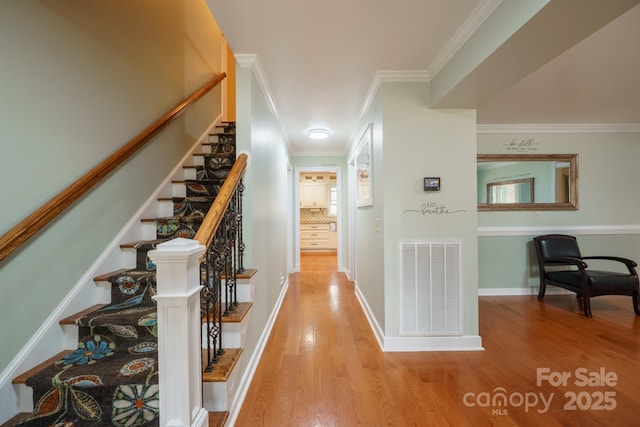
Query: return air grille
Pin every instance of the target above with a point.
(430, 289)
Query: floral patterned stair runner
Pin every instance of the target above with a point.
(111, 379)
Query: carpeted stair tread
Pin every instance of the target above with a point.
(203, 187)
(110, 319)
(192, 205)
(121, 367)
(174, 227)
(207, 172)
(100, 384)
(115, 364)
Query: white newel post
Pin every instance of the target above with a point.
(179, 349)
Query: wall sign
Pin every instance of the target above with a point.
(525, 145)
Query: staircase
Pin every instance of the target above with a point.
(110, 378)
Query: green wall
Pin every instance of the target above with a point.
(266, 207)
(605, 223)
(411, 141)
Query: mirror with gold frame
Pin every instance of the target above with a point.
(511, 182)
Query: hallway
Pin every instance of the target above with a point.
(323, 367)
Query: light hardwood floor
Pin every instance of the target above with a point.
(323, 367)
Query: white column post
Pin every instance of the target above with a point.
(179, 328)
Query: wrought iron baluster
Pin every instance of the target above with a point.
(222, 263)
(241, 245)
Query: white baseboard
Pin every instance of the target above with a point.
(375, 327)
(460, 343)
(494, 292)
(248, 374)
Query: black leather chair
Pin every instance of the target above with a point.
(559, 250)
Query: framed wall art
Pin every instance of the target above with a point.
(363, 163)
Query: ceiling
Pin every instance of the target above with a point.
(320, 59)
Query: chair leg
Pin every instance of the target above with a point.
(636, 306)
(586, 303)
(542, 290)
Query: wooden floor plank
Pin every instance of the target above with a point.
(322, 364)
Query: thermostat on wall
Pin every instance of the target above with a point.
(432, 183)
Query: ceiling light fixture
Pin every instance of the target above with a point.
(318, 133)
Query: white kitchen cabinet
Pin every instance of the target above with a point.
(314, 236)
(313, 191)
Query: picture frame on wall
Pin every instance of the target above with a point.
(363, 166)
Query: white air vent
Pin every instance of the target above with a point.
(430, 288)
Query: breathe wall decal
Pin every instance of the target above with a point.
(434, 208)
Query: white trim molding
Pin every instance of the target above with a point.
(459, 343)
(560, 128)
(399, 76)
(501, 292)
(582, 230)
(375, 327)
(252, 61)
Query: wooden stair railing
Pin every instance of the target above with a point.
(212, 221)
(29, 226)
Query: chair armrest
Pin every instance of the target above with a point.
(626, 261)
(565, 261)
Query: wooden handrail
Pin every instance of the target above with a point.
(29, 226)
(212, 221)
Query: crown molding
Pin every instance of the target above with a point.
(389, 76)
(560, 128)
(473, 22)
(252, 61)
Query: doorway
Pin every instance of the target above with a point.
(317, 212)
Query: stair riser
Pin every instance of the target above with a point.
(148, 231)
(165, 207)
(234, 335)
(188, 173)
(218, 396)
(245, 292)
(25, 398)
(179, 190)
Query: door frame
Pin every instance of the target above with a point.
(296, 210)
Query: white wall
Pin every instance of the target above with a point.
(77, 82)
(605, 223)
